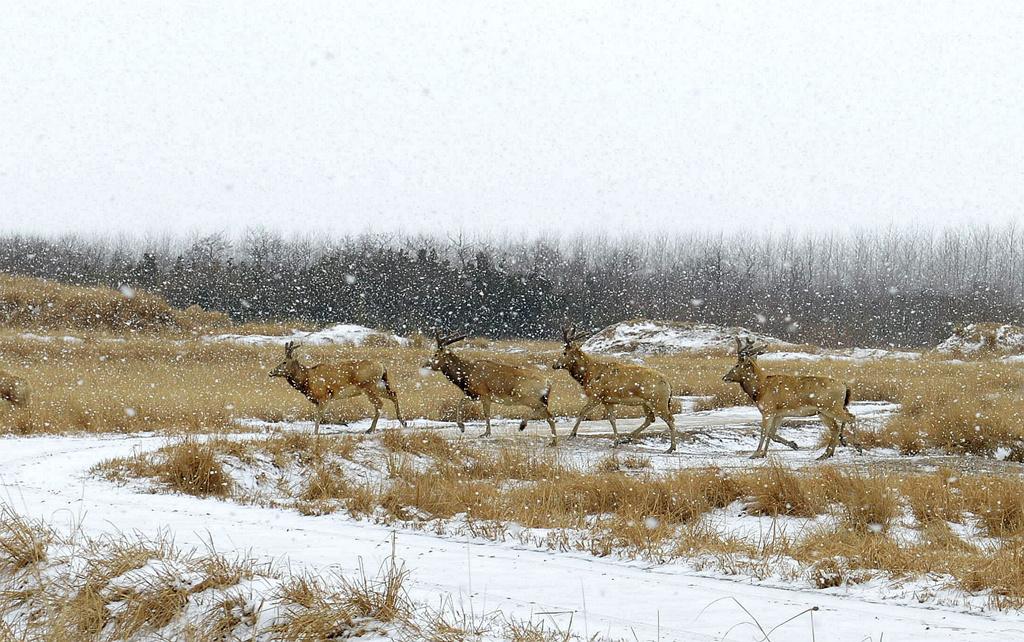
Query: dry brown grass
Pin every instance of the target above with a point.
(39, 304)
(969, 408)
(998, 502)
(935, 497)
(778, 490)
(346, 608)
(23, 542)
(188, 466)
(192, 468)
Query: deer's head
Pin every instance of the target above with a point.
(572, 351)
(746, 349)
(441, 342)
(290, 363)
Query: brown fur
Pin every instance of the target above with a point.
(608, 384)
(341, 380)
(781, 396)
(491, 381)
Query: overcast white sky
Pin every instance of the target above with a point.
(155, 116)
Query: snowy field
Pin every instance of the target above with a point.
(614, 598)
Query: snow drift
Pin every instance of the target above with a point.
(666, 337)
(343, 334)
(981, 338)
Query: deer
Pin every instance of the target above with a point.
(341, 380)
(490, 382)
(778, 397)
(14, 390)
(609, 384)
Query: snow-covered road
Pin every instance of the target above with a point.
(47, 477)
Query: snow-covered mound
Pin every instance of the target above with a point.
(664, 337)
(977, 338)
(343, 333)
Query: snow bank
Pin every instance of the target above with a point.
(666, 337)
(852, 354)
(976, 338)
(343, 333)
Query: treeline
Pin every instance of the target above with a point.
(903, 287)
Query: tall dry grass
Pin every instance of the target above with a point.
(38, 304)
(970, 408)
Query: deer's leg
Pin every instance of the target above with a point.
(651, 416)
(398, 414)
(762, 445)
(671, 421)
(393, 396)
(587, 407)
(485, 404)
(833, 438)
(318, 417)
(548, 417)
(459, 412)
(773, 433)
(609, 414)
(850, 420)
(398, 411)
(779, 440)
(377, 405)
(648, 420)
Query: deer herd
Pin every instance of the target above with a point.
(605, 382)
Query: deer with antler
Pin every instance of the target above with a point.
(325, 382)
(781, 396)
(490, 382)
(607, 384)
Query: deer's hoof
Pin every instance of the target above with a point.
(825, 455)
(792, 445)
(671, 449)
(758, 455)
(483, 435)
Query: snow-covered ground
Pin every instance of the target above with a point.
(621, 599)
(344, 333)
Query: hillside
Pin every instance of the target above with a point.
(39, 304)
